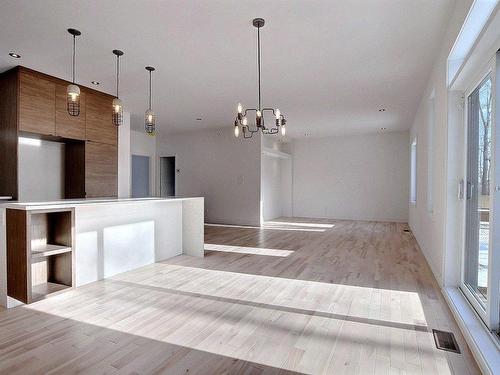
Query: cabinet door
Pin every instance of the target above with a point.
(99, 121)
(101, 170)
(68, 126)
(37, 100)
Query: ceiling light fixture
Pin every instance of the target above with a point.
(14, 55)
(95, 83)
(117, 103)
(150, 119)
(241, 117)
(381, 110)
(199, 119)
(73, 91)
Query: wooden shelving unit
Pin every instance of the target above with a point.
(40, 257)
(49, 250)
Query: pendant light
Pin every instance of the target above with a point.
(117, 103)
(241, 116)
(149, 117)
(73, 91)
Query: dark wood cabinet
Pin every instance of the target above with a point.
(34, 104)
(99, 121)
(37, 103)
(67, 126)
(101, 170)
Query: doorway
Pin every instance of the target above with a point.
(167, 176)
(140, 176)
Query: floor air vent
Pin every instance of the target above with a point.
(445, 341)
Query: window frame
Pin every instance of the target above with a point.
(489, 312)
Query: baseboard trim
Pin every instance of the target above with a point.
(480, 340)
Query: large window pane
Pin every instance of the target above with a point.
(478, 190)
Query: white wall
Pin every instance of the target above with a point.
(276, 180)
(429, 227)
(41, 170)
(271, 188)
(361, 177)
(221, 168)
(145, 145)
(124, 157)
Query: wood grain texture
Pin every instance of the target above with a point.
(37, 102)
(339, 297)
(8, 133)
(101, 170)
(67, 126)
(18, 262)
(74, 170)
(99, 123)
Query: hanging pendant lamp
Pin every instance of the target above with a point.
(117, 103)
(149, 117)
(241, 120)
(73, 91)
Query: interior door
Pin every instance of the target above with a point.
(167, 176)
(140, 176)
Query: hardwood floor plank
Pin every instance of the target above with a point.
(311, 296)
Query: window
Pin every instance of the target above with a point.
(430, 154)
(481, 254)
(478, 204)
(413, 172)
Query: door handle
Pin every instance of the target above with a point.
(460, 194)
(470, 186)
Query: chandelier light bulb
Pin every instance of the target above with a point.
(278, 114)
(245, 121)
(236, 131)
(283, 130)
(117, 105)
(240, 108)
(259, 114)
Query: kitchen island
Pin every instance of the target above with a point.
(70, 243)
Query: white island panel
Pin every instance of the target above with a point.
(118, 235)
(111, 239)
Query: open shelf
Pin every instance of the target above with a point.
(40, 260)
(41, 291)
(48, 250)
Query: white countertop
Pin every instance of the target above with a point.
(70, 203)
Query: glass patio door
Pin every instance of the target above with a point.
(478, 203)
(481, 260)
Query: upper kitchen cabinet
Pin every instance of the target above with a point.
(37, 103)
(67, 126)
(99, 121)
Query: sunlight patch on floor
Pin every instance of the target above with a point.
(248, 250)
(299, 224)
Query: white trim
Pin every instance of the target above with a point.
(483, 345)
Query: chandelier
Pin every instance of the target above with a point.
(241, 120)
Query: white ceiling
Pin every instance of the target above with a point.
(329, 65)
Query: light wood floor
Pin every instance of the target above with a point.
(300, 296)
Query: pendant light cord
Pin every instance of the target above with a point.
(74, 59)
(258, 60)
(150, 89)
(117, 74)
